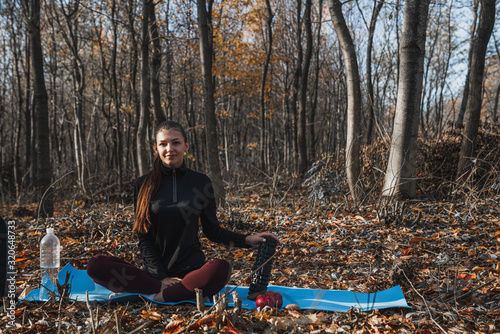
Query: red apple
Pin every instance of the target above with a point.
(271, 299)
(275, 298)
(262, 301)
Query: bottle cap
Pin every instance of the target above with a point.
(50, 230)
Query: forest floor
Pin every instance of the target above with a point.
(445, 256)
(444, 253)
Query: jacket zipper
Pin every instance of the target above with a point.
(174, 187)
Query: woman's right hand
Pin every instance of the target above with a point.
(165, 283)
(168, 281)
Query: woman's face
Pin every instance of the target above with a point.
(170, 145)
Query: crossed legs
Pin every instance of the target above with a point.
(120, 276)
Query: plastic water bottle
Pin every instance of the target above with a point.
(49, 263)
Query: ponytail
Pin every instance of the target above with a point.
(148, 189)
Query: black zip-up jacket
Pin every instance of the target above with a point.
(171, 248)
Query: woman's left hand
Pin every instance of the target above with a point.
(256, 239)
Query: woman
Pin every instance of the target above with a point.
(170, 201)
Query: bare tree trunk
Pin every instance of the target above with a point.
(296, 86)
(188, 88)
(33, 137)
(312, 113)
(20, 103)
(428, 82)
(269, 50)
(353, 99)
(133, 98)
(79, 77)
(440, 109)
(54, 93)
(301, 134)
(30, 158)
(401, 168)
(398, 43)
(107, 162)
(473, 110)
(155, 66)
(369, 81)
(459, 123)
(206, 52)
(288, 137)
(116, 99)
(142, 129)
(41, 111)
(494, 116)
(169, 62)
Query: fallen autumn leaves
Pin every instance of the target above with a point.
(444, 255)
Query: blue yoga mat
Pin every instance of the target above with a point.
(306, 299)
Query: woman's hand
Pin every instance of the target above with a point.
(256, 239)
(168, 281)
(165, 283)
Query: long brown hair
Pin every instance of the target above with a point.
(151, 183)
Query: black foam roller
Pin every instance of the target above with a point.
(260, 278)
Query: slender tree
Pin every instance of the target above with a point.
(155, 66)
(304, 78)
(353, 98)
(16, 52)
(269, 49)
(297, 74)
(317, 67)
(206, 52)
(459, 123)
(400, 179)
(115, 95)
(494, 113)
(377, 6)
(142, 128)
(29, 141)
(476, 72)
(133, 99)
(41, 112)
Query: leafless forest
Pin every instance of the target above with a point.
(84, 82)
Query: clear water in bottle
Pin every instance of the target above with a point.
(49, 263)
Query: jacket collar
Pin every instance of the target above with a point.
(167, 171)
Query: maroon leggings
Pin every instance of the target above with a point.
(120, 276)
